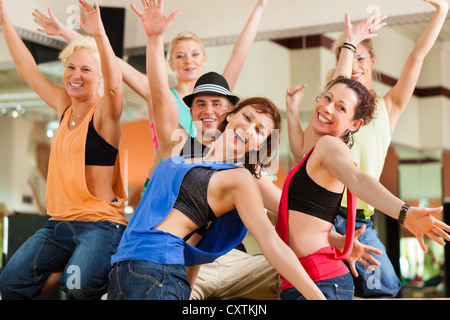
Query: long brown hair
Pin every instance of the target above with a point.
(255, 160)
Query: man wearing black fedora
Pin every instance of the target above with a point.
(209, 99)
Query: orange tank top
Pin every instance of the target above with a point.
(67, 195)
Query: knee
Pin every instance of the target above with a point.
(9, 291)
(80, 294)
(88, 290)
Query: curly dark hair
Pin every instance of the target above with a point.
(365, 107)
(256, 160)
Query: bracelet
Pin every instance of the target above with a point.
(402, 215)
(350, 47)
(349, 44)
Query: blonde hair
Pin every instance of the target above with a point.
(368, 43)
(187, 35)
(86, 43)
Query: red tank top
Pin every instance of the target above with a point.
(320, 265)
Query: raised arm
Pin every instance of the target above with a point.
(295, 132)
(53, 27)
(249, 204)
(111, 104)
(56, 97)
(353, 35)
(243, 45)
(335, 157)
(398, 97)
(165, 110)
(137, 81)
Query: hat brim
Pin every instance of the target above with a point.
(190, 97)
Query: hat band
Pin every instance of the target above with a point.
(211, 88)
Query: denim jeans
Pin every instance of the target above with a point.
(339, 288)
(383, 281)
(81, 249)
(145, 280)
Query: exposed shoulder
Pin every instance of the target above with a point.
(332, 147)
(236, 178)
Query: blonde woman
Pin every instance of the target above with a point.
(84, 194)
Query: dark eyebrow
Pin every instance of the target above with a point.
(253, 115)
(333, 97)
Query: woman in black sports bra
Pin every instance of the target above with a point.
(312, 192)
(85, 194)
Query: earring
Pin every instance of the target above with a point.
(350, 138)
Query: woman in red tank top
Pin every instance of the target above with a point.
(340, 111)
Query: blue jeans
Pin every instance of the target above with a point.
(339, 288)
(145, 280)
(81, 249)
(383, 281)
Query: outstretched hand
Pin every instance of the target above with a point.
(360, 253)
(420, 221)
(153, 19)
(93, 24)
(363, 30)
(443, 4)
(294, 95)
(3, 14)
(49, 25)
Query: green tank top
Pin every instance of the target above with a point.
(184, 115)
(370, 148)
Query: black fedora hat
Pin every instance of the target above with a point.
(211, 83)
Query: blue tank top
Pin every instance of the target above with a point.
(141, 241)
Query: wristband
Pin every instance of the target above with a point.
(402, 215)
(350, 47)
(349, 44)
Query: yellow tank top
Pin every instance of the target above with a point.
(67, 195)
(370, 147)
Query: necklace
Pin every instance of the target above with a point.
(72, 123)
(73, 120)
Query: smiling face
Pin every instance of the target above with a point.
(247, 130)
(363, 66)
(335, 110)
(82, 77)
(187, 59)
(207, 109)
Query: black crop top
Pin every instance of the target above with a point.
(306, 196)
(192, 198)
(98, 151)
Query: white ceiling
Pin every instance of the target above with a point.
(220, 20)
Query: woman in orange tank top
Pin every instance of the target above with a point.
(85, 194)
